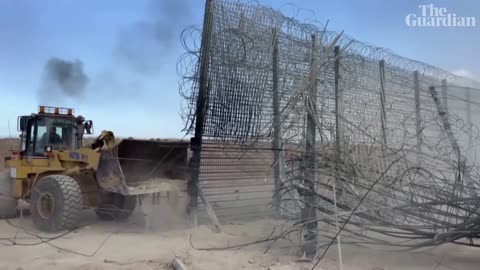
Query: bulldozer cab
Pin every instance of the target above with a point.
(47, 131)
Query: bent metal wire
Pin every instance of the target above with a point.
(403, 165)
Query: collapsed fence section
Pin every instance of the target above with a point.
(344, 133)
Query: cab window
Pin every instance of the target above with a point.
(57, 133)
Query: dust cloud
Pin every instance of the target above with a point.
(163, 211)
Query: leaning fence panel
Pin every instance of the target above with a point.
(393, 139)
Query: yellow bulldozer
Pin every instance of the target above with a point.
(59, 176)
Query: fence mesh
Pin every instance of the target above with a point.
(394, 140)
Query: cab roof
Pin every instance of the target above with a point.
(48, 110)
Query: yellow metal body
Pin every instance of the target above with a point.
(81, 163)
(27, 169)
(132, 167)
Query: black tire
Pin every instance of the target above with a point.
(8, 204)
(55, 203)
(120, 208)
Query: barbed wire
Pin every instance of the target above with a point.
(405, 162)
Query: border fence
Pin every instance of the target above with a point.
(295, 120)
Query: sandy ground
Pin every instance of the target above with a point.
(151, 239)
(157, 233)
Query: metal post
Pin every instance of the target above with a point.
(469, 117)
(338, 105)
(338, 110)
(309, 212)
(462, 172)
(445, 96)
(201, 108)
(382, 104)
(276, 126)
(338, 143)
(419, 129)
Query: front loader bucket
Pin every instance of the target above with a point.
(136, 167)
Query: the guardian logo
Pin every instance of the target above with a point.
(431, 16)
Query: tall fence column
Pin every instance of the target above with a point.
(309, 212)
(445, 95)
(339, 106)
(383, 112)
(338, 112)
(276, 127)
(200, 110)
(469, 117)
(418, 116)
(463, 172)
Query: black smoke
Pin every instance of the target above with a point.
(140, 46)
(63, 78)
(144, 44)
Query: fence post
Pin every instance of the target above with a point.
(338, 110)
(200, 110)
(382, 104)
(469, 117)
(463, 172)
(309, 212)
(445, 96)
(418, 116)
(338, 105)
(276, 126)
(338, 140)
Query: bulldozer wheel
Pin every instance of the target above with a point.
(56, 202)
(8, 204)
(120, 208)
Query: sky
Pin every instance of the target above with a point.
(129, 52)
